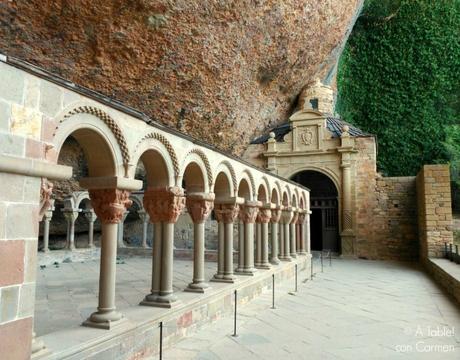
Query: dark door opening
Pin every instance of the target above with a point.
(324, 220)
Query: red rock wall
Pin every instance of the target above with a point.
(218, 70)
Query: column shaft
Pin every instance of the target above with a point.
(220, 250)
(107, 278)
(46, 234)
(281, 242)
(293, 234)
(198, 284)
(228, 264)
(258, 259)
(264, 262)
(166, 285)
(240, 246)
(249, 248)
(274, 256)
(145, 225)
(91, 234)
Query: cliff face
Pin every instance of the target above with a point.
(218, 70)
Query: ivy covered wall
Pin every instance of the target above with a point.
(399, 78)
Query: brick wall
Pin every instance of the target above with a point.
(434, 210)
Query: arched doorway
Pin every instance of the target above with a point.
(324, 221)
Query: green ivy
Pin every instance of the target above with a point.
(399, 78)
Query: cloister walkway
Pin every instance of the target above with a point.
(356, 309)
(67, 293)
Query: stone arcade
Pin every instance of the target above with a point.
(38, 113)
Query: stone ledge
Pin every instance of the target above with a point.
(446, 274)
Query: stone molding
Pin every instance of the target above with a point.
(110, 204)
(164, 204)
(169, 148)
(109, 121)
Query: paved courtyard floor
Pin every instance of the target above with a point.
(356, 309)
(66, 294)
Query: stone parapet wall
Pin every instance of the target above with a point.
(434, 210)
(446, 274)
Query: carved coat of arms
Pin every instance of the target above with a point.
(307, 137)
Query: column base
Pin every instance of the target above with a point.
(229, 279)
(275, 261)
(302, 253)
(201, 287)
(264, 266)
(107, 324)
(39, 349)
(162, 301)
(246, 272)
(218, 277)
(293, 255)
(286, 258)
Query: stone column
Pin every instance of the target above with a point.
(226, 214)
(145, 223)
(71, 216)
(109, 205)
(302, 234)
(164, 205)
(307, 232)
(47, 215)
(263, 218)
(240, 243)
(199, 206)
(347, 234)
(258, 228)
(249, 214)
(91, 217)
(287, 215)
(220, 249)
(275, 219)
(121, 224)
(293, 234)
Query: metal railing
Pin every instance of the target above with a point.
(451, 252)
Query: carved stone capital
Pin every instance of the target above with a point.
(71, 215)
(199, 206)
(46, 191)
(109, 204)
(143, 215)
(276, 215)
(164, 204)
(286, 216)
(301, 218)
(264, 215)
(90, 215)
(226, 213)
(295, 217)
(249, 213)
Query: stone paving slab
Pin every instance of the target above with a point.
(356, 309)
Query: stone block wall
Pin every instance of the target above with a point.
(434, 210)
(19, 198)
(395, 218)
